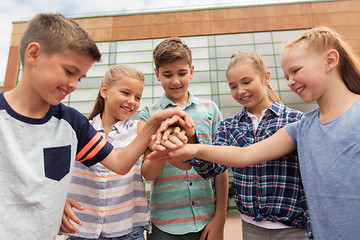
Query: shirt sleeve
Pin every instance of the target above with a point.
(144, 114)
(92, 147)
(207, 169)
(217, 118)
(292, 130)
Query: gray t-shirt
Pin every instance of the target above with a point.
(37, 157)
(329, 156)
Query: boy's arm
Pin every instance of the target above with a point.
(121, 162)
(215, 228)
(273, 147)
(151, 169)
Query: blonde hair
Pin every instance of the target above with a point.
(323, 39)
(259, 65)
(56, 33)
(171, 50)
(113, 74)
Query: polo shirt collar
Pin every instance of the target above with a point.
(165, 101)
(98, 125)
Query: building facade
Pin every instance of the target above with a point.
(213, 34)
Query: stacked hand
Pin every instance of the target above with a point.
(173, 134)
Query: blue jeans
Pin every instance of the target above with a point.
(136, 234)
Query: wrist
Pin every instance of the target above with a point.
(152, 125)
(196, 150)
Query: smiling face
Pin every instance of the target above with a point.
(248, 87)
(57, 75)
(122, 98)
(305, 72)
(175, 79)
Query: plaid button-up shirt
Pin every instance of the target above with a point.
(270, 191)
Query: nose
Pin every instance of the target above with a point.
(241, 91)
(175, 81)
(73, 84)
(131, 100)
(291, 81)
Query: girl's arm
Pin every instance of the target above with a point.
(121, 162)
(273, 147)
(68, 214)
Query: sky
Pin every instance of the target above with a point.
(19, 10)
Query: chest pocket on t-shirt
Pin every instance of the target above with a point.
(57, 162)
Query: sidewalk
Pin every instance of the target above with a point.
(233, 228)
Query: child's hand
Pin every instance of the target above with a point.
(214, 230)
(186, 123)
(172, 138)
(66, 225)
(188, 151)
(172, 115)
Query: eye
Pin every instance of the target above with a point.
(79, 80)
(167, 76)
(182, 74)
(125, 93)
(232, 87)
(296, 70)
(138, 98)
(68, 72)
(247, 81)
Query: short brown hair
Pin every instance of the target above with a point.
(171, 50)
(56, 33)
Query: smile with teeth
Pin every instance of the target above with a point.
(63, 92)
(245, 98)
(127, 109)
(300, 89)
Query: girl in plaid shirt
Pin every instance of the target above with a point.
(270, 195)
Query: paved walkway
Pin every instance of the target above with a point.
(233, 230)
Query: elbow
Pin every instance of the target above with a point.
(122, 171)
(149, 177)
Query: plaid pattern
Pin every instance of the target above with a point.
(272, 190)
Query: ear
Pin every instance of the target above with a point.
(157, 74)
(191, 71)
(267, 78)
(332, 59)
(32, 53)
(103, 90)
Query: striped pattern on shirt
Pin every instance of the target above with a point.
(114, 204)
(182, 201)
